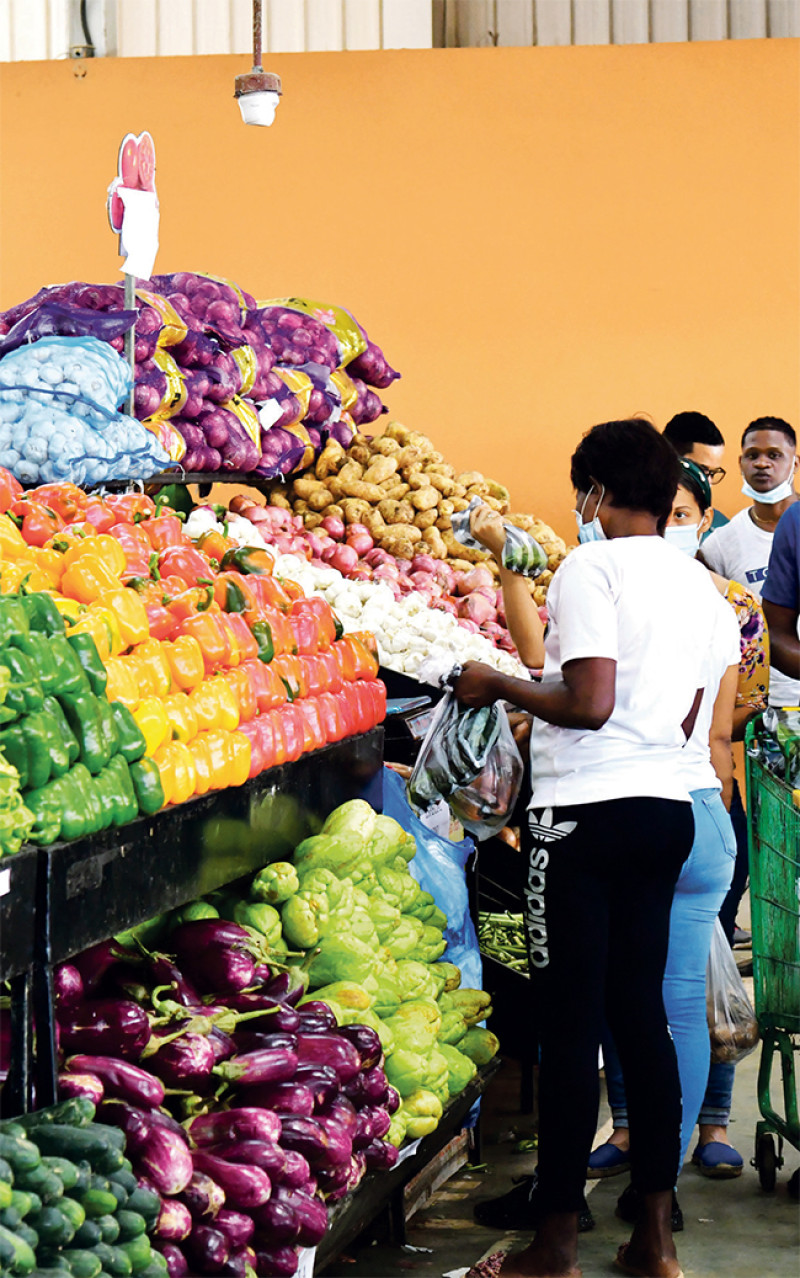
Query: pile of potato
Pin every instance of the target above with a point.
(401, 489)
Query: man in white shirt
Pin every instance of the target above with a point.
(741, 550)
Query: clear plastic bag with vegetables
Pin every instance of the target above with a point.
(521, 552)
(469, 758)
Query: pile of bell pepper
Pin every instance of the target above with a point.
(225, 669)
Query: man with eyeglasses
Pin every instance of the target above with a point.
(695, 437)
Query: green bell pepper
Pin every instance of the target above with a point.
(262, 633)
(109, 725)
(275, 883)
(85, 649)
(13, 619)
(130, 741)
(124, 797)
(26, 746)
(42, 613)
(83, 716)
(52, 707)
(55, 662)
(147, 786)
(24, 694)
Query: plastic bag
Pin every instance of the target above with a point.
(521, 552)
(439, 867)
(732, 1023)
(470, 759)
(72, 365)
(782, 723)
(56, 320)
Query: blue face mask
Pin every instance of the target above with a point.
(593, 531)
(684, 537)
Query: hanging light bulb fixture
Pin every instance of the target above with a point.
(258, 92)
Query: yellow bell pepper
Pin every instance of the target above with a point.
(100, 547)
(130, 613)
(70, 609)
(51, 565)
(229, 754)
(181, 716)
(214, 705)
(123, 681)
(185, 657)
(88, 578)
(239, 747)
(152, 720)
(152, 668)
(177, 768)
(12, 543)
(102, 625)
(12, 575)
(204, 775)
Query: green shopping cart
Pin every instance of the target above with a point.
(774, 844)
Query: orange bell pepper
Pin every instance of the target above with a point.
(131, 508)
(188, 603)
(365, 645)
(51, 564)
(270, 593)
(245, 639)
(67, 500)
(130, 612)
(37, 523)
(123, 681)
(181, 716)
(153, 668)
(214, 705)
(10, 489)
(103, 626)
(87, 578)
(269, 688)
(233, 592)
(186, 664)
(178, 772)
(153, 723)
(213, 640)
(215, 546)
(163, 531)
(241, 683)
(292, 672)
(234, 656)
(293, 589)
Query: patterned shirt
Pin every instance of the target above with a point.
(754, 664)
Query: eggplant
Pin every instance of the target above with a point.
(277, 1220)
(256, 1153)
(94, 964)
(287, 986)
(207, 1249)
(199, 934)
(237, 1228)
(174, 1222)
(245, 1123)
(287, 1098)
(322, 1079)
(310, 1214)
(365, 1041)
(270, 1066)
(244, 1186)
(203, 1196)
(222, 1045)
(333, 1178)
(358, 1166)
(68, 985)
(276, 1262)
(296, 1173)
(158, 1153)
(340, 1147)
(120, 1079)
(105, 1027)
(391, 1101)
(165, 972)
(221, 969)
(319, 1145)
(329, 1049)
(253, 1041)
(380, 1155)
(177, 1264)
(80, 1085)
(315, 1007)
(185, 1062)
(251, 1001)
(372, 1123)
(238, 1264)
(341, 1111)
(313, 1023)
(367, 1088)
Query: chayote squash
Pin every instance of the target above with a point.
(387, 841)
(354, 821)
(414, 980)
(453, 1027)
(474, 1005)
(326, 852)
(451, 974)
(422, 1111)
(416, 1024)
(405, 1070)
(461, 1068)
(341, 958)
(479, 1044)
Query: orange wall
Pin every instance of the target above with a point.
(539, 238)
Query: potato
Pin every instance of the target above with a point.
(336, 510)
(395, 492)
(360, 454)
(320, 498)
(355, 510)
(539, 596)
(305, 485)
(397, 431)
(400, 547)
(299, 506)
(379, 470)
(443, 523)
(445, 485)
(385, 447)
(372, 493)
(376, 524)
(416, 477)
(351, 471)
(403, 530)
(459, 503)
(425, 499)
(396, 512)
(280, 499)
(499, 491)
(455, 548)
(330, 460)
(495, 504)
(433, 540)
(409, 457)
(460, 565)
(425, 518)
(470, 477)
(312, 521)
(446, 507)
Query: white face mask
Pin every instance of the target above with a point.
(774, 495)
(685, 537)
(593, 531)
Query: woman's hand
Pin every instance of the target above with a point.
(488, 528)
(478, 685)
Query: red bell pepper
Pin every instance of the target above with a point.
(269, 688)
(334, 717)
(274, 747)
(306, 630)
(314, 731)
(333, 681)
(293, 674)
(10, 489)
(245, 639)
(292, 730)
(163, 624)
(205, 628)
(67, 500)
(316, 679)
(253, 732)
(330, 626)
(131, 508)
(270, 593)
(185, 562)
(99, 513)
(37, 522)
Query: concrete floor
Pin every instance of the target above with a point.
(733, 1229)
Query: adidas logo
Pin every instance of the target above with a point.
(544, 831)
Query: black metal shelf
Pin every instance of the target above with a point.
(381, 1190)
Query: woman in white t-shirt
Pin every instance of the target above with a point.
(611, 826)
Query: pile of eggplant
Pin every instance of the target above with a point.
(246, 1113)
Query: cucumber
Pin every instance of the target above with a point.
(127, 1165)
(15, 1253)
(126, 1179)
(147, 1203)
(109, 1228)
(22, 1154)
(24, 1230)
(114, 1260)
(73, 1211)
(138, 1251)
(33, 1198)
(54, 1229)
(119, 1191)
(82, 1263)
(68, 1173)
(78, 1111)
(43, 1182)
(89, 1235)
(6, 1194)
(12, 1128)
(131, 1225)
(114, 1135)
(98, 1202)
(6, 1174)
(84, 1180)
(78, 1143)
(154, 1270)
(10, 1217)
(23, 1202)
(50, 1273)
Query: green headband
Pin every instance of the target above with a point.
(699, 477)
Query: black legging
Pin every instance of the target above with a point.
(597, 903)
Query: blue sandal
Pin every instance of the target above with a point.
(719, 1160)
(607, 1160)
